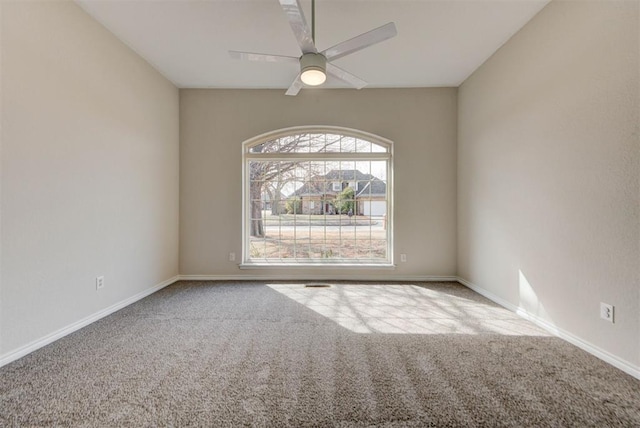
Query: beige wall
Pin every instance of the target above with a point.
(421, 123)
(89, 178)
(548, 184)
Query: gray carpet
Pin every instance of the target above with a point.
(278, 354)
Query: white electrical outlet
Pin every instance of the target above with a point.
(232, 257)
(606, 312)
(99, 282)
(403, 258)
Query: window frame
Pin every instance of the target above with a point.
(248, 156)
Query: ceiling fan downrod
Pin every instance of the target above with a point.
(313, 21)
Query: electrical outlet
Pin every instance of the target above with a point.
(232, 257)
(403, 258)
(99, 282)
(606, 312)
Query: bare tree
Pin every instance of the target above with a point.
(275, 188)
(262, 173)
(272, 176)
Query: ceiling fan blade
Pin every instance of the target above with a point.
(362, 41)
(299, 25)
(250, 56)
(345, 76)
(295, 87)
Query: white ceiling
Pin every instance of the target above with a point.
(439, 43)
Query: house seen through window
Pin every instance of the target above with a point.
(317, 196)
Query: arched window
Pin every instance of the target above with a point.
(317, 196)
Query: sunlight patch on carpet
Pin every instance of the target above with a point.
(408, 309)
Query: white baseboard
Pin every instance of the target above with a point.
(306, 277)
(52, 337)
(505, 304)
(615, 361)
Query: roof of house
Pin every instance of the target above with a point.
(366, 184)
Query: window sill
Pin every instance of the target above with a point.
(317, 265)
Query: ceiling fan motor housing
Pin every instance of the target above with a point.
(313, 64)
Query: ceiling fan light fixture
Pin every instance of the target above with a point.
(313, 69)
(313, 77)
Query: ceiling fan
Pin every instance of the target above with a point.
(314, 65)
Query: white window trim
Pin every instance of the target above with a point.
(247, 263)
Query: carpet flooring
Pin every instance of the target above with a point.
(226, 354)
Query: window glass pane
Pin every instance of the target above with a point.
(378, 149)
(363, 146)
